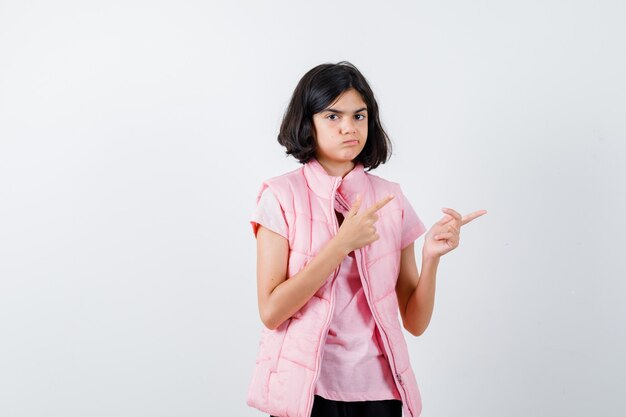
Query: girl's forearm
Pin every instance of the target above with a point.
(293, 293)
(420, 306)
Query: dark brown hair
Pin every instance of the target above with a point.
(317, 89)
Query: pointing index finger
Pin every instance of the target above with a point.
(468, 218)
(379, 204)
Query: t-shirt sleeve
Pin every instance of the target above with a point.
(412, 225)
(269, 214)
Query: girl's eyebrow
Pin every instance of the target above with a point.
(330, 109)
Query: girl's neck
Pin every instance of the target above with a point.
(336, 169)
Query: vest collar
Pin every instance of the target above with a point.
(322, 184)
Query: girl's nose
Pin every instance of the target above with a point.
(349, 126)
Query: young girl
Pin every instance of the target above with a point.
(335, 262)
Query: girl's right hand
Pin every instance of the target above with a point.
(357, 229)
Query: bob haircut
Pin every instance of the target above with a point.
(317, 89)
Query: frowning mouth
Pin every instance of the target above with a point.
(350, 142)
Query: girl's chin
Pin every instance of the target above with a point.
(343, 157)
(348, 155)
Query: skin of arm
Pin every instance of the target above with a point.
(415, 292)
(278, 297)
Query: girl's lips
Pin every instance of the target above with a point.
(351, 142)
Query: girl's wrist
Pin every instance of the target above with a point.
(430, 259)
(341, 246)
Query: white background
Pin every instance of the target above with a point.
(134, 136)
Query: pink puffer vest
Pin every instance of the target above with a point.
(289, 357)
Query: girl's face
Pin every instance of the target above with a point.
(341, 129)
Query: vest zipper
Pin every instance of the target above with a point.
(385, 339)
(365, 281)
(330, 315)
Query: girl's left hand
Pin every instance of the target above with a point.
(445, 234)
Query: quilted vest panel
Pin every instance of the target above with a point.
(288, 360)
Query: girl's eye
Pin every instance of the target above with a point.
(360, 116)
(331, 116)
